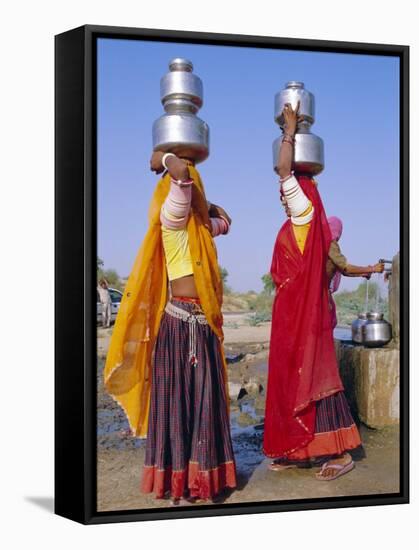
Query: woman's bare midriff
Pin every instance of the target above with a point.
(184, 286)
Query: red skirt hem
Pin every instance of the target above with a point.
(329, 443)
(204, 484)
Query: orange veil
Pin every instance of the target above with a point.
(127, 372)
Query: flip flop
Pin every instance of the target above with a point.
(341, 470)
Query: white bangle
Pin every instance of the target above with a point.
(303, 220)
(164, 158)
(283, 180)
(182, 183)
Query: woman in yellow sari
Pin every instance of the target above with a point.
(165, 364)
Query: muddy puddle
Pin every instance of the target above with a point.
(246, 429)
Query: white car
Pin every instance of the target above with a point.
(116, 297)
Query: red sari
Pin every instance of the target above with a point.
(302, 361)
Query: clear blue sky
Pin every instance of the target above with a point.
(356, 115)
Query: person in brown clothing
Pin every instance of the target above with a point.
(337, 265)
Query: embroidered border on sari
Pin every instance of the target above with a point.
(203, 484)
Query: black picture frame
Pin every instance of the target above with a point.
(75, 253)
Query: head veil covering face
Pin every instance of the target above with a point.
(127, 373)
(336, 228)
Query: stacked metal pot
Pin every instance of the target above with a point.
(309, 148)
(179, 130)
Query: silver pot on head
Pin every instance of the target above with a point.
(308, 153)
(293, 93)
(308, 148)
(180, 131)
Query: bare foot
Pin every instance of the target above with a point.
(280, 464)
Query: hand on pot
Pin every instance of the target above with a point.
(291, 118)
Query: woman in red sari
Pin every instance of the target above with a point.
(307, 416)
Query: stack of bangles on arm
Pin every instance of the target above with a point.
(296, 200)
(219, 226)
(175, 211)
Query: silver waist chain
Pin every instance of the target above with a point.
(192, 319)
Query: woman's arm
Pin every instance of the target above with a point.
(220, 220)
(177, 168)
(175, 210)
(362, 271)
(286, 149)
(350, 270)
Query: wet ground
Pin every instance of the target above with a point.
(120, 456)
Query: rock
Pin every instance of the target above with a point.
(242, 393)
(253, 387)
(234, 390)
(371, 381)
(234, 358)
(245, 419)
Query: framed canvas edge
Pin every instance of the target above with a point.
(86, 512)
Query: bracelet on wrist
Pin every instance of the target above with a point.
(165, 157)
(288, 140)
(284, 179)
(182, 183)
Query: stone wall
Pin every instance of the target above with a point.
(371, 380)
(371, 375)
(394, 298)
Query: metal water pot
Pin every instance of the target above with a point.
(180, 88)
(376, 332)
(308, 153)
(293, 93)
(309, 148)
(356, 327)
(180, 131)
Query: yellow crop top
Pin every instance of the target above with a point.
(301, 231)
(176, 250)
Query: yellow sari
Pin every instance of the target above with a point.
(127, 372)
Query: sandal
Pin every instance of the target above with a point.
(341, 469)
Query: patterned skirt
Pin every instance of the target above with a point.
(335, 430)
(188, 450)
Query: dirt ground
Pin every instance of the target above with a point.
(120, 457)
(378, 473)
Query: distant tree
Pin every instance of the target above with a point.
(224, 275)
(111, 275)
(268, 284)
(350, 303)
